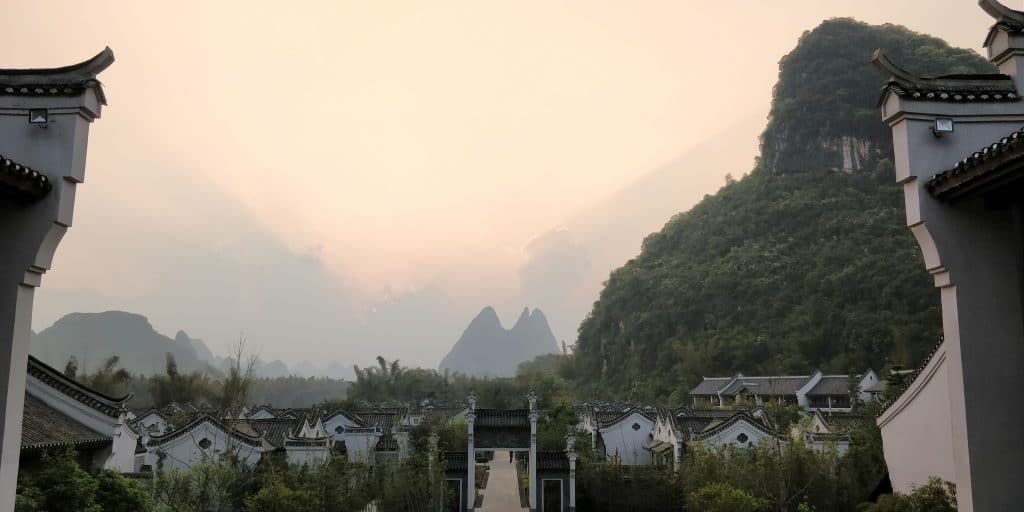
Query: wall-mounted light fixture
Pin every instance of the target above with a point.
(942, 126)
(39, 117)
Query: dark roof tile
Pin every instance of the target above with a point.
(993, 164)
(46, 427)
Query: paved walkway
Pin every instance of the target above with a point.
(502, 492)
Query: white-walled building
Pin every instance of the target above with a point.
(61, 412)
(205, 438)
(812, 392)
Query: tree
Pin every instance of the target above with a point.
(238, 384)
(71, 368)
(935, 496)
(108, 378)
(277, 497)
(60, 484)
(721, 497)
(115, 493)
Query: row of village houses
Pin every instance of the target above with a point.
(61, 412)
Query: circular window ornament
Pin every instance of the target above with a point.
(742, 438)
(636, 426)
(339, 430)
(205, 443)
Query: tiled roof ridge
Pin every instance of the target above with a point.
(109, 406)
(341, 412)
(980, 87)
(634, 409)
(63, 81)
(906, 385)
(992, 154)
(47, 427)
(1006, 18)
(733, 419)
(30, 183)
(231, 431)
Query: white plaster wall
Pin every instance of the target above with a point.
(866, 382)
(916, 431)
(153, 420)
(261, 414)
(184, 451)
(620, 440)
(307, 455)
(801, 394)
(359, 445)
(728, 436)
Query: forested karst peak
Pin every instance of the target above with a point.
(824, 113)
(796, 265)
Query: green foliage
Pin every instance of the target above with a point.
(115, 493)
(721, 497)
(107, 379)
(60, 484)
(277, 497)
(174, 386)
(391, 382)
(795, 266)
(209, 486)
(935, 496)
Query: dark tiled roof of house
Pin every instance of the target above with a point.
(897, 393)
(109, 406)
(843, 423)
(962, 88)
(382, 421)
(710, 386)
(831, 385)
(65, 81)
(275, 431)
(454, 461)
(251, 438)
(20, 183)
(623, 415)
(714, 428)
(767, 386)
(552, 461)
(387, 443)
(502, 418)
(46, 427)
(350, 416)
(989, 167)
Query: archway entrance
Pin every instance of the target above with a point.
(514, 431)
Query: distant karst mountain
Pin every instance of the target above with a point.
(486, 349)
(93, 337)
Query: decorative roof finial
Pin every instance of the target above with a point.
(1001, 12)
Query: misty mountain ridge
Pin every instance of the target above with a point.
(487, 349)
(91, 338)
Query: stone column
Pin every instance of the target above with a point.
(431, 459)
(534, 416)
(44, 131)
(677, 452)
(470, 465)
(571, 454)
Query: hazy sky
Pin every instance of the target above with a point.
(342, 179)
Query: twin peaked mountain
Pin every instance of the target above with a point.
(486, 349)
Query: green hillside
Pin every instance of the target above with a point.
(803, 263)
